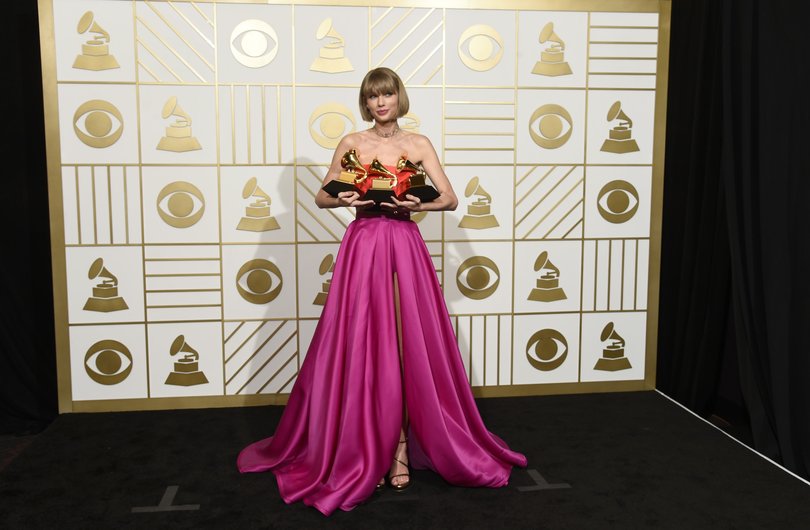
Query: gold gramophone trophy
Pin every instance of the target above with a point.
(552, 60)
(613, 358)
(331, 59)
(95, 54)
(548, 284)
(257, 214)
(105, 295)
(620, 138)
(186, 370)
(178, 135)
(327, 266)
(478, 214)
(383, 182)
(348, 178)
(416, 183)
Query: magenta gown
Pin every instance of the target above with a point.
(339, 431)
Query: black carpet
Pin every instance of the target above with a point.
(631, 460)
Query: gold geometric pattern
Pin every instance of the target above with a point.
(549, 202)
(408, 40)
(260, 357)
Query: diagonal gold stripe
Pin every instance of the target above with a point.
(253, 333)
(563, 218)
(419, 45)
(307, 230)
(290, 380)
(180, 35)
(425, 60)
(315, 218)
(148, 71)
(394, 27)
(553, 207)
(157, 57)
(406, 36)
(433, 73)
(237, 328)
(190, 23)
(275, 374)
(171, 49)
(272, 356)
(579, 222)
(520, 181)
(202, 14)
(532, 189)
(373, 24)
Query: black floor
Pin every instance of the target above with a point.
(630, 460)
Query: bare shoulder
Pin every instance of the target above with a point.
(418, 144)
(353, 140)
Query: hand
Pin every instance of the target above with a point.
(351, 198)
(411, 204)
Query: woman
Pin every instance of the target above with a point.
(382, 384)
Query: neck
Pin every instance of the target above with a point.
(387, 128)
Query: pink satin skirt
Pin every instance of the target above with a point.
(339, 431)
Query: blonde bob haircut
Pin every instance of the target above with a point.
(382, 81)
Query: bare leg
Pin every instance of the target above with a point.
(398, 473)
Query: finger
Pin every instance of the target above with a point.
(414, 198)
(388, 205)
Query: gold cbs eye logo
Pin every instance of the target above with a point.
(551, 121)
(259, 281)
(476, 47)
(180, 204)
(546, 350)
(254, 43)
(108, 362)
(478, 277)
(333, 118)
(617, 201)
(93, 123)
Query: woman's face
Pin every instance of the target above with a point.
(383, 107)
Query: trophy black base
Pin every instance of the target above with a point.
(379, 196)
(425, 193)
(334, 187)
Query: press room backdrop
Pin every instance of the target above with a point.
(186, 142)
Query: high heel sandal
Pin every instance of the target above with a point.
(403, 485)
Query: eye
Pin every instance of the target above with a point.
(180, 204)
(93, 123)
(478, 277)
(549, 132)
(547, 349)
(476, 47)
(108, 362)
(333, 118)
(259, 281)
(617, 201)
(254, 43)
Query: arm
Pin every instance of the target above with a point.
(344, 198)
(447, 199)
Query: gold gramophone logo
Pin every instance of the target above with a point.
(546, 350)
(257, 214)
(547, 288)
(250, 43)
(180, 204)
(332, 120)
(617, 201)
(178, 137)
(105, 297)
(478, 214)
(96, 117)
(327, 266)
(620, 137)
(478, 277)
(187, 368)
(552, 58)
(613, 358)
(95, 54)
(331, 58)
(476, 47)
(262, 281)
(548, 133)
(108, 362)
